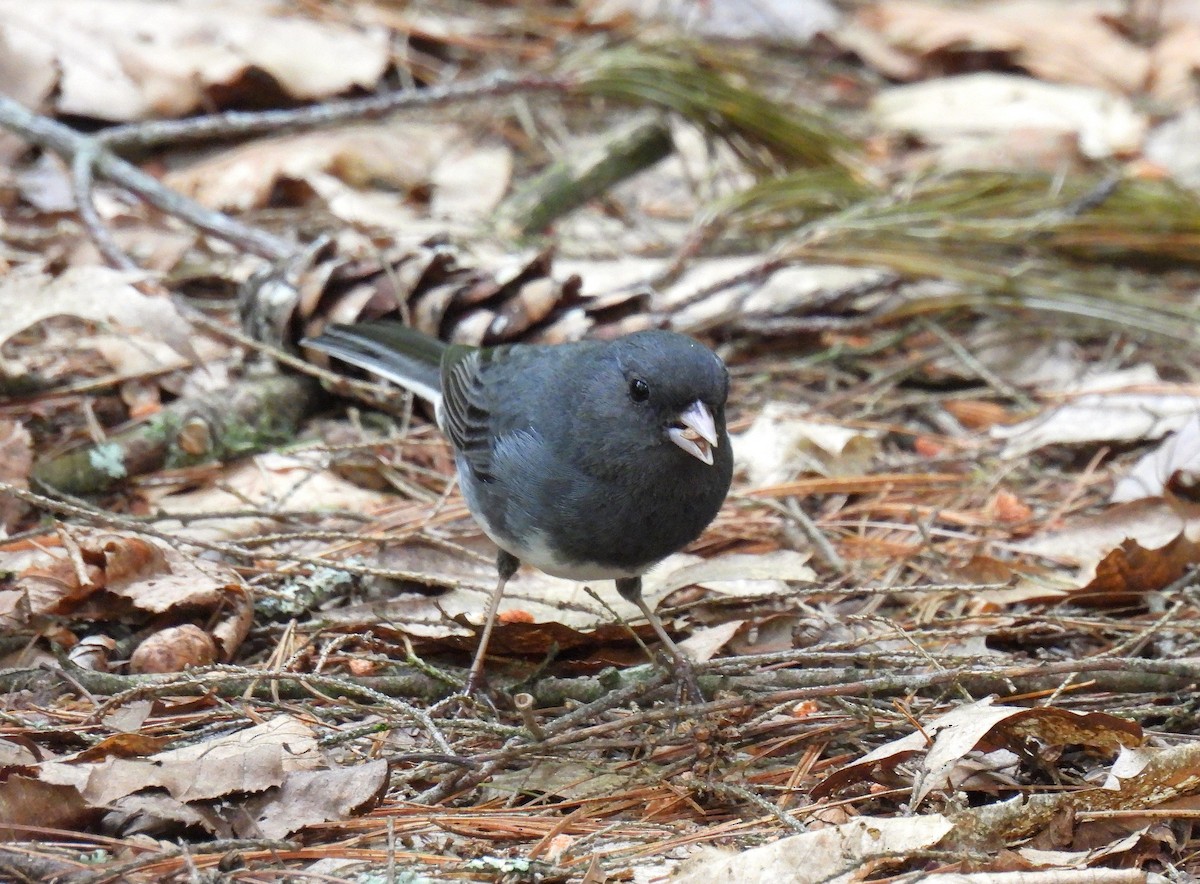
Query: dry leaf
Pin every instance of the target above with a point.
(134, 59)
(264, 481)
(716, 292)
(1131, 570)
(25, 801)
(785, 441)
(1060, 42)
(1171, 146)
(1102, 411)
(94, 653)
(1151, 522)
(1006, 507)
(1175, 61)
(109, 575)
(952, 110)
(836, 855)
(95, 294)
(250, 760)
(397, 156)
(310, 797)
(789, 22)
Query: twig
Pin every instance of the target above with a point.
(820, 543)
(65, 141)
(81, 183)
(245, 124)
(524, 704)
(973, 365)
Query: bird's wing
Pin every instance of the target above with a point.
(465, 413)
(389, 349)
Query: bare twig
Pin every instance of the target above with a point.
(65, 141)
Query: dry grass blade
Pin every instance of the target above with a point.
(764, 132)
(1015, 241)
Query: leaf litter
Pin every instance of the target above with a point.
(945, 623)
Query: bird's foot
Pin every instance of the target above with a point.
(470, 700)
(685, 675)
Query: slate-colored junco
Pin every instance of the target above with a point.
(590, 460)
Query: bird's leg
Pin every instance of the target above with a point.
(506, 567)
(630, 588)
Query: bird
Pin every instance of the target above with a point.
(589, 460)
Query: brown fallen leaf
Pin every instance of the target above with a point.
(1131, 571)
(126, 745)
(310, 797)
(25, 802)
(250, 760)
(397, 155)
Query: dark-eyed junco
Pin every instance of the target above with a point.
(590, 460)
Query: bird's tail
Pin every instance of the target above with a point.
(389, 349)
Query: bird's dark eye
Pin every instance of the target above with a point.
(639, 390)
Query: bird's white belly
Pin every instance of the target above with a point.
(534, 551)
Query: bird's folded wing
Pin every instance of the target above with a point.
(389, 349)
(464, 414)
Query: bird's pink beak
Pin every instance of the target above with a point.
(696, 433)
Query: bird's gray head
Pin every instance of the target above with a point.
(662, 387)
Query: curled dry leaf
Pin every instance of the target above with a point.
(942, 744)
(1174, 467)
(173, 650)
(1084, 541)
(93, 653)
(1130, 571)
